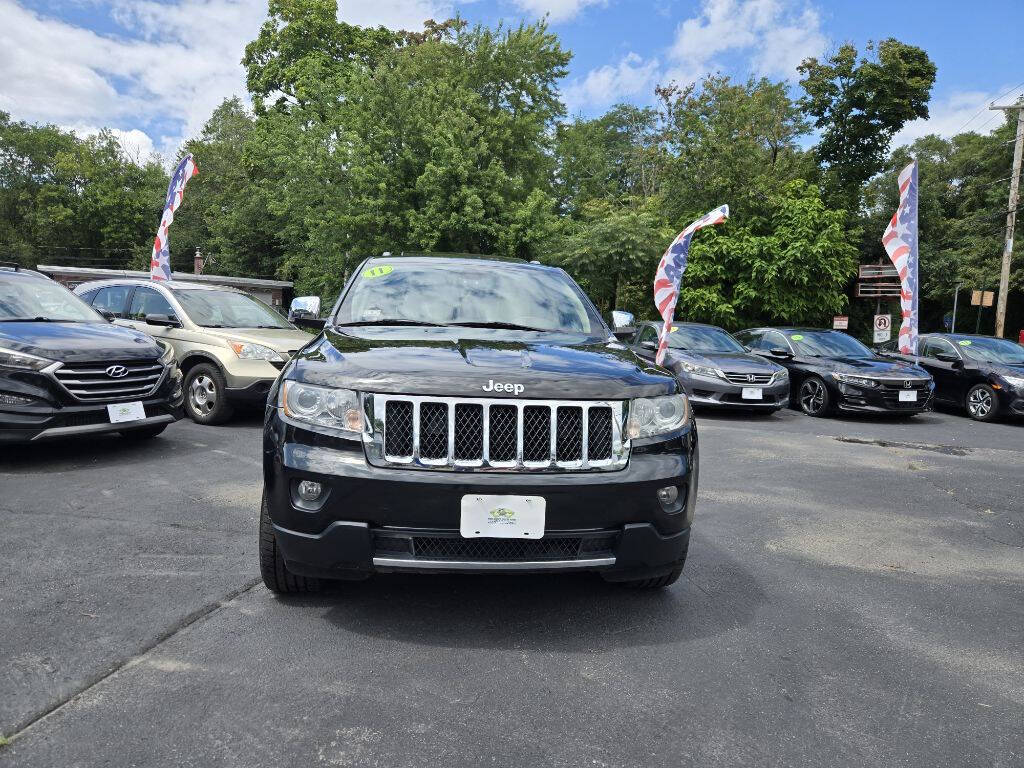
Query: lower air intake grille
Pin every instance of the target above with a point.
(451, 547)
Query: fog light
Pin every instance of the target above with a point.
(668, 495)
(309, 490)
(6, 399)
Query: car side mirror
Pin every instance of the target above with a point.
(108, 315)
(780, 352)
(624, 334)
(947, 357)
(622, 319)
(651, 345)
(314, 324)
(167, 321)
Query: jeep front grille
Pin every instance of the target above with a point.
(495, 435)
(135, 379)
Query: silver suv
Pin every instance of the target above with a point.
(230, 346)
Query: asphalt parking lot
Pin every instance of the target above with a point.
(854, 596)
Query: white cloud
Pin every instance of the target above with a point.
(631, 77)
(559, 10)
(171, 66)
(959, 112)
(773, 33)
(136, 145)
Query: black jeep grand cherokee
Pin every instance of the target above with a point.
(470, 415)
(66, 371)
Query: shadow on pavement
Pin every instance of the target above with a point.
(561, 613)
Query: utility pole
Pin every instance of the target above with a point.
(1011, 216)
(956, 297)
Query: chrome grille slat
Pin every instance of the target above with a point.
(90, 382)
(749, 378)
(494, 434)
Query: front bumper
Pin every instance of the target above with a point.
(715, 393)
(883, 399)
(391, 519)
(54, 414)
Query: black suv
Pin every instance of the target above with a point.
(65, 370)
(471, 415)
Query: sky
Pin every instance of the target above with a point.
(153, 71)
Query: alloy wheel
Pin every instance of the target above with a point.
(202, 394)
(812, 396)
(979, 402)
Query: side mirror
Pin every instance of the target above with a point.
(314, 324)
(304, 306)
(947, 357)
(168, 321)
(110, 316)
(651, 345)
(780, 352)
(622, 319)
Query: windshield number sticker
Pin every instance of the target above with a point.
(964, 342)
(797, 337)
(383, 269)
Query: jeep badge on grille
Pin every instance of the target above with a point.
(497, 386)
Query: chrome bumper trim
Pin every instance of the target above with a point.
(490, 565)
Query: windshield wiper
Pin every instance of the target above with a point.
(34, 320)
(501, 325)
(389, 322)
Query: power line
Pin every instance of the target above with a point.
(984, 107)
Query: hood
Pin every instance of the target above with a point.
(730, 362)
(278, 339)
(872, 366)
(462, 362)
(78, 342)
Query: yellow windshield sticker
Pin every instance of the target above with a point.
(797, 337)
(383, 269)
(964, 342)
(674, 329)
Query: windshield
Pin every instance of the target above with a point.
(44, 301)
(473, 294)
(827, 344)
(227, 309)
(998, 351)
(701, 339)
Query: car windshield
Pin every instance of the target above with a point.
(42, 300)
(228, 309)
(999, 351)
(827, 344)
(471, 294)
(702, 339)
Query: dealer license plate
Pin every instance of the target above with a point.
(120, 412)
(908, 396)
(502, 517)
(752, 393)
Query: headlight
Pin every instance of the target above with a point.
(167, 356)
(781, 374)
(1014, 381)
(857, 381)
(337, 408)
(653, 416)
(246, 350)
(22, 361)
(703, 370)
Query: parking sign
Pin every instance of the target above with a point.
(883, 328)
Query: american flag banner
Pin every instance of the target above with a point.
(900, 241)
(670, 272)
(160, 262)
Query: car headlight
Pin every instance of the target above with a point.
(651, 416)
(22, 361)
(780, 375)
(702, 370)
(857, 381)
(246, 350)
(323, 406)
(1014, 381)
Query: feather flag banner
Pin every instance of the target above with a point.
(160, 261)
(670, 273)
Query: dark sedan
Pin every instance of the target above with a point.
(715, 369)
(982, 374)
(830, 371)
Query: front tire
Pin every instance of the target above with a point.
(273, 568)
(982, 403)
(206, 395)
(814, 398)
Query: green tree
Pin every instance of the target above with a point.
(858, 105)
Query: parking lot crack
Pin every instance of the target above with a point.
(51, 709)
(949, 450)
